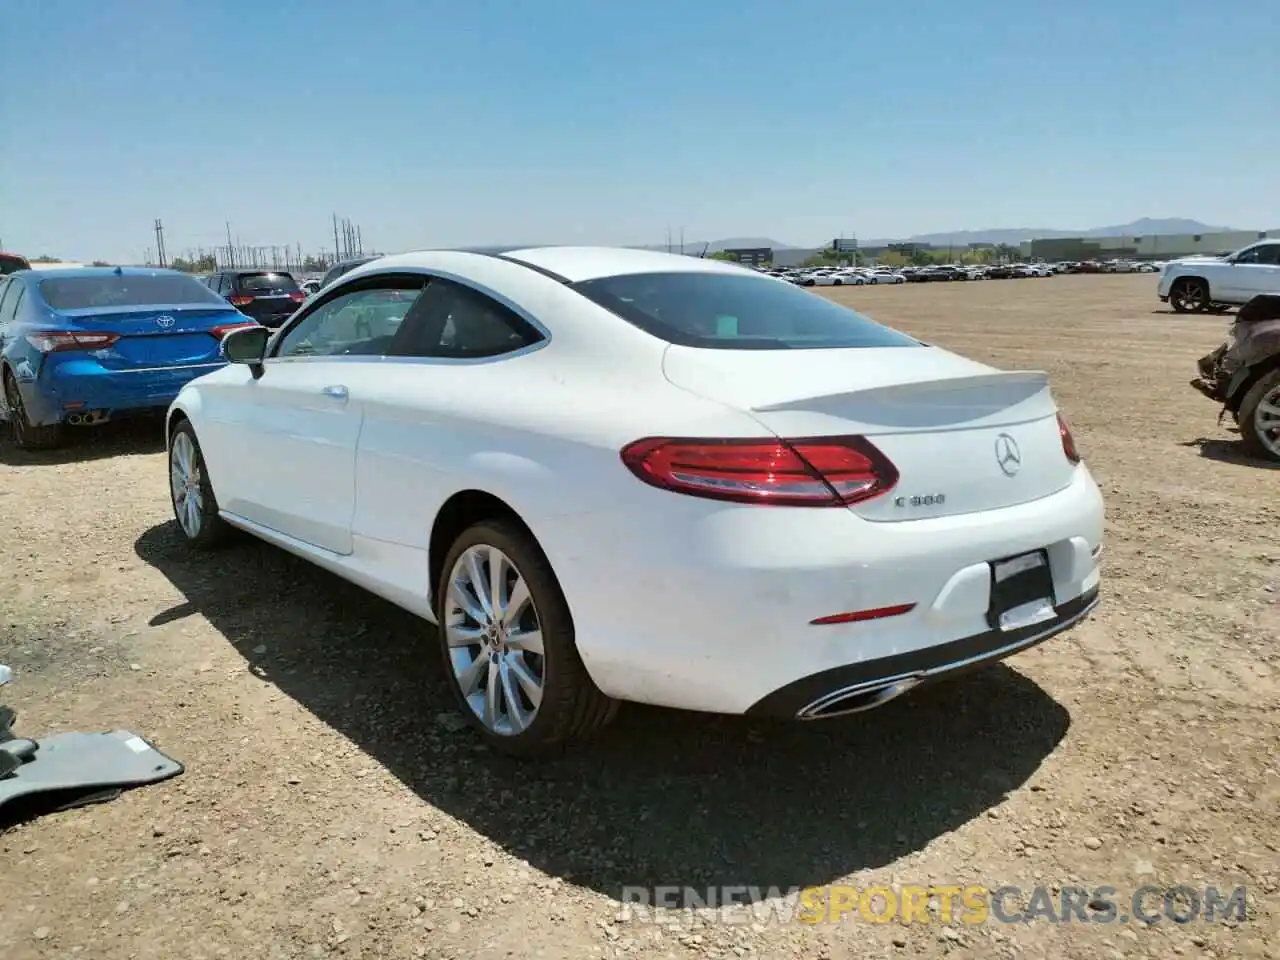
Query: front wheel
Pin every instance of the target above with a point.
(1190, 295)
(1259, 418)
(194, 505)
(510, 654)
(27, 436)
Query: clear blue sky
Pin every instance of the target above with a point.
(477, 121)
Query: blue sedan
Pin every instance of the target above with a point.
(81, 346)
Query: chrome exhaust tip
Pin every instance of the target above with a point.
(857, 699)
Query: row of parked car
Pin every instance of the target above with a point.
(860, 276)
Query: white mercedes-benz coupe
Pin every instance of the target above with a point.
(610, 474)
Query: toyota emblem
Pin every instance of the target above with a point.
(165, 322)
(1008, 456)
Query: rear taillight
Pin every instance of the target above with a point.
(297, 296)
(221, 331)
(53, 341)
(814, 472)
(1068, 441)
(239, 301)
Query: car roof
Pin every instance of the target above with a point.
(59, 274)
(576, 264)
(252, 270)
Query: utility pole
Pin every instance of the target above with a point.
(231, 253)
(682, 239)
(668, 239)
(336, 247)
(359, 241)
(160, 241)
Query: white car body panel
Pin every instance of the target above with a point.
(665, 589)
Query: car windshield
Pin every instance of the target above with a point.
(267, 283)
(735, 312)
(125, 290)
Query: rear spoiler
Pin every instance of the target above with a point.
(1014, 385)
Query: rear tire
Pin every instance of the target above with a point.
(1189, 295)
(24, 434)
(515, 671)
(195, 508)
(1259, 418)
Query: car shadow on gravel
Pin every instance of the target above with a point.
(666, 797)
(123, 438)
(1227, 451)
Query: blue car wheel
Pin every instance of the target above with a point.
(25, 436)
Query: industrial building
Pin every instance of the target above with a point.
(1151, 247)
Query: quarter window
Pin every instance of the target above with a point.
(360, 323)
(457, 322)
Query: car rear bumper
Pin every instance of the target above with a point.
(871, 683)
(714, 611)
(82, 386)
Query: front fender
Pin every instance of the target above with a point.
(185, 404)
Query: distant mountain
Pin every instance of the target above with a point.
(1138, 228)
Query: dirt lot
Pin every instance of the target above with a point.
(331, 807)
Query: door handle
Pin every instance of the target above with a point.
(337, 391)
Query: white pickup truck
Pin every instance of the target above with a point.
(1214, 284)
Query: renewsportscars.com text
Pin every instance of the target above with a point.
(937, 903)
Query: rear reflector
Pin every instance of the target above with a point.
(240, 301)
(1068, 441)
(221, 331)
(297, 296)
(857, 616)
(54, 341)
(812, 472)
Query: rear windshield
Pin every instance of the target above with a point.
(731, 312)
(267, 283)
(11, 264)
(78, 293)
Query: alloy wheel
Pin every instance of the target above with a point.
(17, 415)
(1190, 297)
(1266, 422)
(186, 484)
(494, 636)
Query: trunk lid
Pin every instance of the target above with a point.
(948, 424)
(155, 336)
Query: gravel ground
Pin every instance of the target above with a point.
(331, 805)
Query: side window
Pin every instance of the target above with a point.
(1253, 255)
(1270, 254)
(5, 287)
(13, 292)
(456, 322)
(360, 323)
(218, 284)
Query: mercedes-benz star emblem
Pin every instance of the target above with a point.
(1008, 456)
(165, 322)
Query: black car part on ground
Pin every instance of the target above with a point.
(1227, 373)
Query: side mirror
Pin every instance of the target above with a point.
(247, 345)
